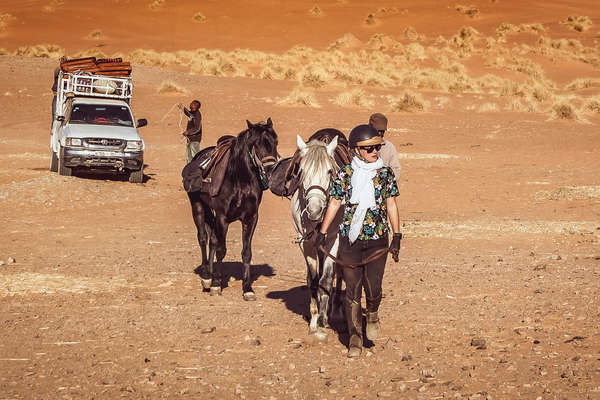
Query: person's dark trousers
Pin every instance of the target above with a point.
(369, 276)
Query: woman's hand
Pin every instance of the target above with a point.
(395, 246)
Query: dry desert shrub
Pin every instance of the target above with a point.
(464, 40)
(593, 104)
(506, 28)
(354, 98)
(315, 77)
(407, 102)
(382, 42)
(411, 34)
(488, 107)
(170, 87)
(469, 11)
(345, 42)
(40, 50)
(583, 83)
(156, 4)
(563, 107)
(578, 23)
(5, 20)
(199, 18)
(152, 58)
(316, 11)
(299, 96)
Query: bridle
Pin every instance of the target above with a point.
(260, 163)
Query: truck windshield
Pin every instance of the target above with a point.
(97, 114)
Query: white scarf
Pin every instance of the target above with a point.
(363, 192)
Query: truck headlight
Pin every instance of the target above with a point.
(73, 142)
(133, 145)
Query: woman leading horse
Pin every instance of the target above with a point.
(367, 189)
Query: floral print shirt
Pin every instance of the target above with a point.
(375, 224)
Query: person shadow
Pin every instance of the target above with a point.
(231, 269)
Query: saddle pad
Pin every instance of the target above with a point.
(192, 173)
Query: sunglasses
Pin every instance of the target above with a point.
(370, 149)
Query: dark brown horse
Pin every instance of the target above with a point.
(252, 155)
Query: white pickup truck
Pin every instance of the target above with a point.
(93, 127)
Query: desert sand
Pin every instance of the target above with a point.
(494, 107)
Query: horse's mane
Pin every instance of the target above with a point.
(238, 162)
(316, 162)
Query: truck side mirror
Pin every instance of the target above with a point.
(142, 122)
(60, 118)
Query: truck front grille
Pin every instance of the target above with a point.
(105, 142)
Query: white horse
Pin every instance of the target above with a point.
(308, 204)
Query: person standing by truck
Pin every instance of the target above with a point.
(193, 131)
(54, 90)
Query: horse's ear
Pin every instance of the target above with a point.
(300, 143)
(250, 125)
(332, 145)
(269, 122)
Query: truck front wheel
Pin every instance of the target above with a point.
(62, 169)
(136, 176)
(53, 162)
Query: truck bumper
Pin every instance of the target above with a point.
(119, 160)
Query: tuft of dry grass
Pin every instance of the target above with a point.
(170, 87)
(5, 20)
(371, 19)
(316, 11)
(583, 83)
(93, 52)
(299, 96)
(41, 51)
(354, 98)
(407, 102)
(593, 104)
(578, 23)
(563, 108)
(470, 11)
(199, 18)
(156, 4)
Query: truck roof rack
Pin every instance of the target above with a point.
(82, 83)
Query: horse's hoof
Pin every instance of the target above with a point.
(249, 296)
(215, 291)
(206, 283)
(321, 335)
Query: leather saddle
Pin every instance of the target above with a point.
(206, 172)
(285, 177)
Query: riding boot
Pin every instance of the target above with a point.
(354, 318)
(373, 325)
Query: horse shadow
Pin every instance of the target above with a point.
(231, 269)
(297, 300)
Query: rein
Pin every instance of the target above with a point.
(259, 163)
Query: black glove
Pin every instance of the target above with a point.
(319, 240)
(395, 246)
